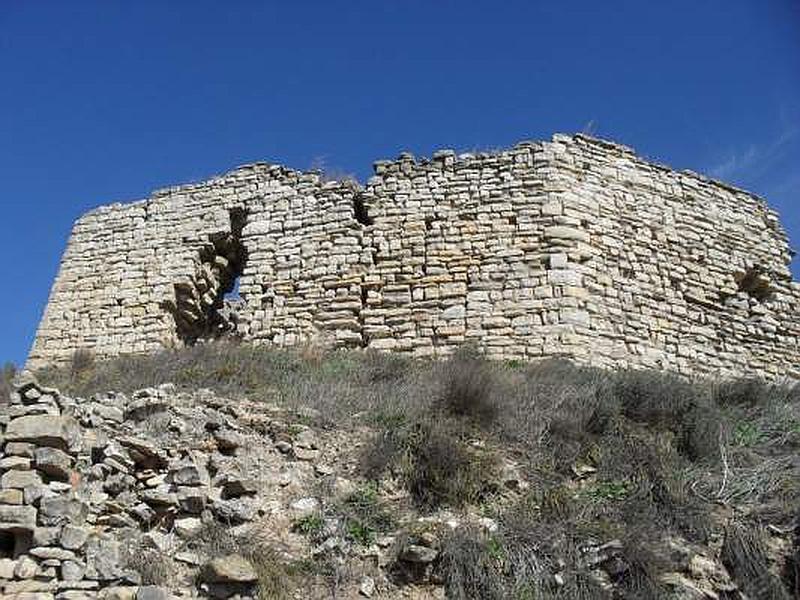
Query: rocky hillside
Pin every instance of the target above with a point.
(232, 472)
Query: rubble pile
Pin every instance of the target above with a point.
(172, 494)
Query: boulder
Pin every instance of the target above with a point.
(152, 592)
(58, 510)
(61, 432)
(11, 496)
(53, 462)
(73, 537)
(413, 553)
(234, 487)
(20, 480)
(17, 518)
(232, 568)
(103, 559)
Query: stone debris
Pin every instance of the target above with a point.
(574, 247)
(115, 511)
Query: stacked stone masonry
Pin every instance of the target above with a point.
(572, 248)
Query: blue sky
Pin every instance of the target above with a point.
(107, 100)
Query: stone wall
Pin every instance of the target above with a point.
(574, 247)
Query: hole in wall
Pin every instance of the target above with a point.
(360, 211)
(208, 304)
(15, 543)
(755, 283)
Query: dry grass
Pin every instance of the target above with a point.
(745, 556)
(276, 575)
(433, 460)
(658, 453)
(6, 377)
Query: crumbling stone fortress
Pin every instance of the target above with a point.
(574, 247)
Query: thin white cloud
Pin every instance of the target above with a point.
(754, 160)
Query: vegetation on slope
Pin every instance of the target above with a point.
(636, 457)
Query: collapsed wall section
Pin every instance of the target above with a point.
(574, 247)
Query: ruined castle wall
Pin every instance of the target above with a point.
(686, 274)
(468, 249)
(574, 247)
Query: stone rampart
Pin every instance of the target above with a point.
(574, 247)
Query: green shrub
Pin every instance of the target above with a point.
(310, 525)
(364, 515)
(469, 384)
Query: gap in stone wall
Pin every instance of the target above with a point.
(755, 283)
(15, 543)
(360, 211)
(204, 307)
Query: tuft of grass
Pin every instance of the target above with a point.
(310, 525)
(744, 554)
(275, 575)
(6, 378)
(434, 462)
(364, 516)
(469, 384)
(82, 364)
(154, 566)
(471, 565)
(608, 490)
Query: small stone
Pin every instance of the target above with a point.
(143, 513)
(159, 498)
(187, 527)
(305, 454)
(48, 553)
(17, 518)
(58, 510)
(234, 511)
(234, 488)
(11, 496)
(46, 536)
(26, 568)
(118, 593)
(191, 500)
(283, 446)
(72, 571)
(7, 567)
(227, 440)
(20, 479)
(189, 475)
(306, 439)
(53, 462)
(418, 554)
(304, 507)
(152, 592)
(20, 449)
(15, 463)
(73, 537)
(367, 587)
(230, 569)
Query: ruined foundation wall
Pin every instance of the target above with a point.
(574, 247)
